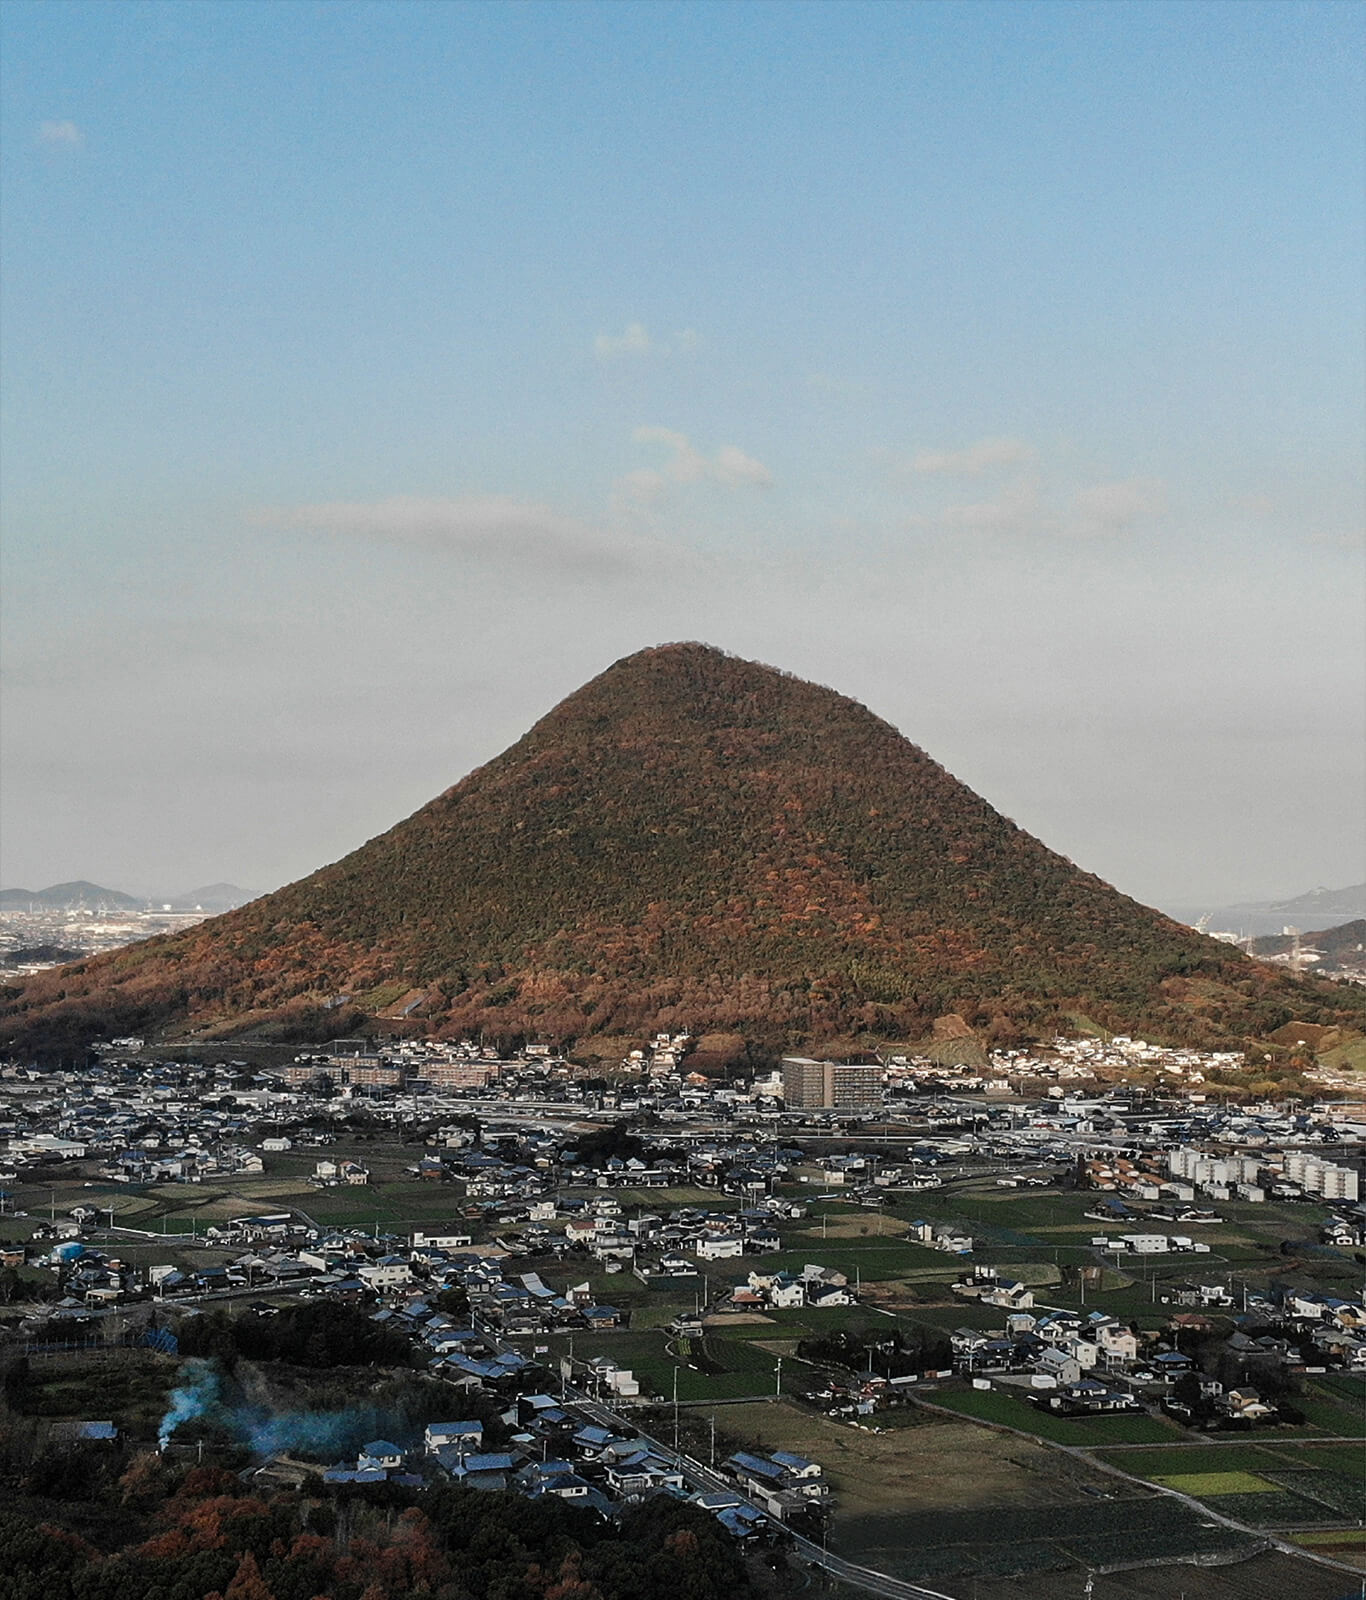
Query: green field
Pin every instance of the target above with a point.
(1335, 1405)
(1272, 1455)
(1347, 1459)
(1274, 1484)
(990, 1405)
(1193, 1458)
(709, 1369)
(1207, 1483)
(1280, 1509)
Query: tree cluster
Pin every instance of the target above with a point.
(316, 1333)
(202, 1535)
(893, 1355)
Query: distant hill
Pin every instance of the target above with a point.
(69, 897)
(213, 897)
(1343, 946)
(688, 841)
(47, 955)
(1324, 903)
(1267, 918)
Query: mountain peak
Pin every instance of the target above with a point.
(688, 841)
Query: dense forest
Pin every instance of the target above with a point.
(690, 841)
(236, 1507)
(171, 1533)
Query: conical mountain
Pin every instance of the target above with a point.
(689, 841)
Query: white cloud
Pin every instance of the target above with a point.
(1115, 507)
(973, 459)
(634, 342)
(484, 525)
(686, 465)
(1016, 509)
(60, 135)
(1027, 507)
(730, 467)
(734, 467)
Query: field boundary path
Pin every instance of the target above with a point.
(1086, 1454)
(879, 1583)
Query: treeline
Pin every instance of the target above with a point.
(891, 1355)
(314, 1333)
(612, 1142)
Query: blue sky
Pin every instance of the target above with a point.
(375, 374)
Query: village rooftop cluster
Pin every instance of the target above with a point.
(542, 1219)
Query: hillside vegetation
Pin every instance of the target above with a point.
(690, 840)
(1343, 946)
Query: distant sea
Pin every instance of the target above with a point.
(1256, 921)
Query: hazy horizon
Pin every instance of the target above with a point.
(375, 375)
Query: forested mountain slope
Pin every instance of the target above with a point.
(690, 840)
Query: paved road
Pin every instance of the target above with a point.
(701, 1477)
(706, 1478)
(898, 1589)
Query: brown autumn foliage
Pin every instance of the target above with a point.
(690, 841)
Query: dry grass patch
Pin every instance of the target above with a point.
(945, 1466)
(855, 1227)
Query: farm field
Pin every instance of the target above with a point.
(1268, 1576)
(1011, 1226)
(1202, 1484)
(1241, 1455)
(1335, 1405)
(664, 1199)
(129, 1387)
(709, 1369)
(1013, 1538)
(398, 1203)
(1277, 1484)
(993, 1406)
(1343, 1544)
(934, 1466)
(957, 1506)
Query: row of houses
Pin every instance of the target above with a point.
(779, 1291)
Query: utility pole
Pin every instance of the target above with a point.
(712, 1458)
(675, 1410)
(778, 1386)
